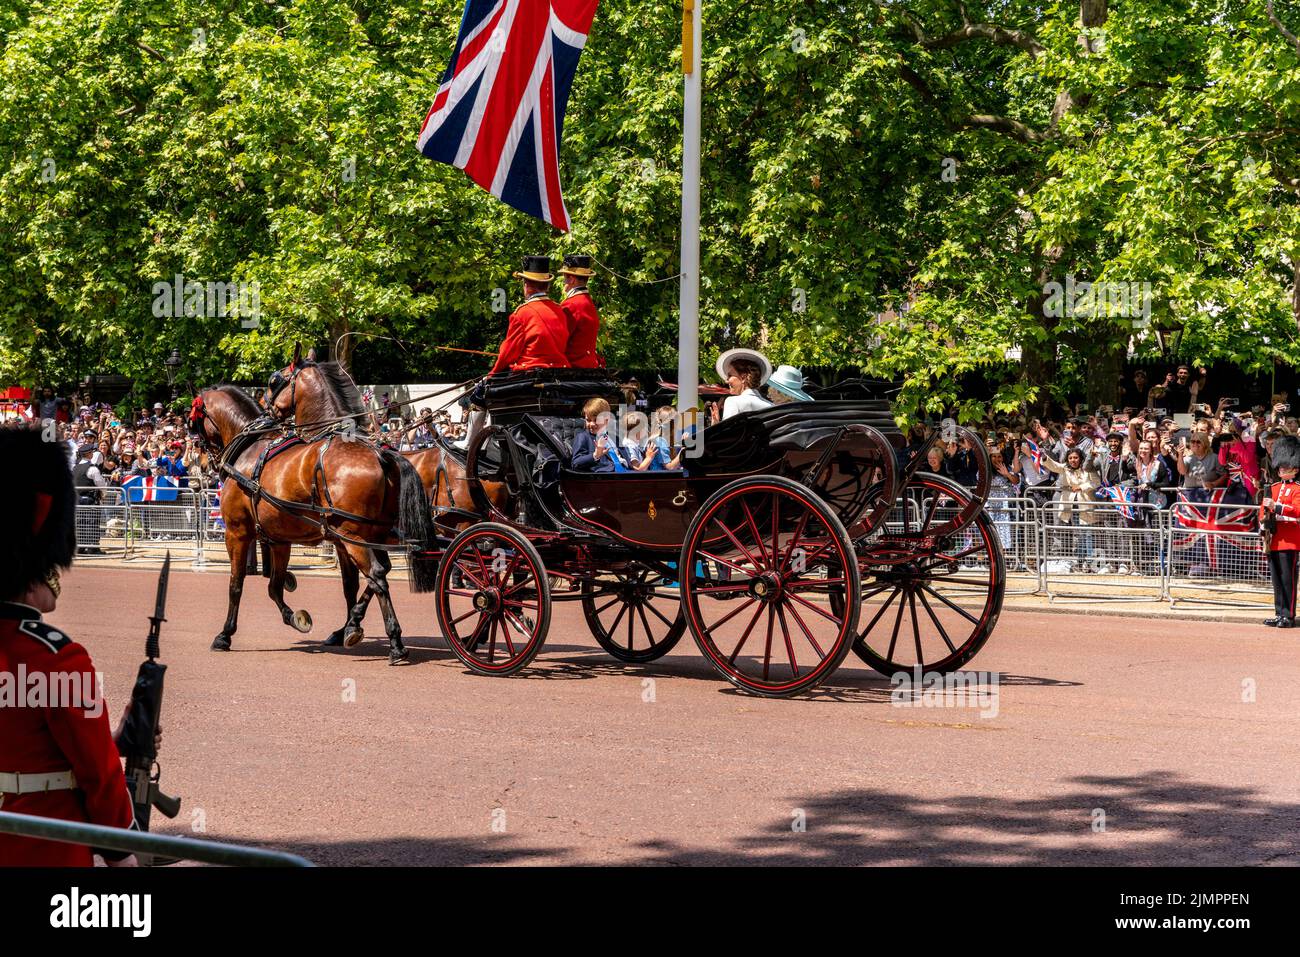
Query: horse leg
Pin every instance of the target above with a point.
(350, 634)
(380, 565)
(300, 620)
(238, 547)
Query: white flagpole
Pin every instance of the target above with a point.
(688, 336)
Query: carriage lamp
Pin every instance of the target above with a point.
(173, 367)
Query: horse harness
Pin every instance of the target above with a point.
(320, 511)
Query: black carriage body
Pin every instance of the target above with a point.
(844, 451)
(820, 478)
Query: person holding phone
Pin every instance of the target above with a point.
(1198, 466)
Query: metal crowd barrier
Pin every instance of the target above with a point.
(103, 521)
(212, 538)
(1095, 547)
(1160, 554)
(1016, 520)
(142, 842)
(1217, 565)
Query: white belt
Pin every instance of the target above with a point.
(12, 783)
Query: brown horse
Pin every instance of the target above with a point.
(337, 487)
(309, 393)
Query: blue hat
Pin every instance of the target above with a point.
(789, 380)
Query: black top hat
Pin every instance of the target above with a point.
(37, 525)
(536, 269)
(576, 264)
(1286, 453)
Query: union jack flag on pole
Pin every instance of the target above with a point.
(499, 112)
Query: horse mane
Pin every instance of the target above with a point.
(345, 393)
(244, 403)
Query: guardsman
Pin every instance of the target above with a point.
(584, 322)
(539, 329)
(1281, 509)
(57, 755)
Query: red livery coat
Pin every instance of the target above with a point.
(536, 338)
(55, 733)
(584, 326)
(1286, 531)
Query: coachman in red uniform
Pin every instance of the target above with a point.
(1280, 510)
(539, 329)
(57, 756)
(584, 322)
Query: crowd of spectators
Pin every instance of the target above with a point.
(1160, 439)
(148, 442)
(1082, 467)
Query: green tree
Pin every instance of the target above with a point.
(932, 162)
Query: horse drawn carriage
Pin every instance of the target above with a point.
(794, 535)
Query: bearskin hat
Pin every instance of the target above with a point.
(1286, 453)
(38, 511)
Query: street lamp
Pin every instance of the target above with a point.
(1169, 335)
(173, 366)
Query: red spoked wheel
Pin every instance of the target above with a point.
(931, 593)
(778, 559)
(632, 615)
(494, 606)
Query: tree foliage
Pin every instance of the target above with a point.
(930, 161)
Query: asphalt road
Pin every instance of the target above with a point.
(1105, 740)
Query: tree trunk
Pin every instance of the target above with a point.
(1104, 372)
(339, 326)
(1038, 360)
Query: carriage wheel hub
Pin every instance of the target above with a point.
(488, 600)
(766, 586)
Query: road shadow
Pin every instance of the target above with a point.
(868, 687)
(1152, 819)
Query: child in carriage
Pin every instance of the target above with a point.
(645, 452)
(594, 450)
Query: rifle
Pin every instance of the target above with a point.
(139, 730)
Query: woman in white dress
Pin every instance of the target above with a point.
(744, 371)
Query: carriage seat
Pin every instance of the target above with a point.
(562, 430)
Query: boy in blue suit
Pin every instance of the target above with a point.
(594, 450)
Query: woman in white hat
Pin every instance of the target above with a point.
(744, 371)
(787, 383)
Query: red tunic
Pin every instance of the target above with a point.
(536, 338)
(584, 326)
(55, 734)
(1286, 530)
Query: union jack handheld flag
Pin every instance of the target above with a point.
(499, 112)
(1123, 496)
(1035, 454)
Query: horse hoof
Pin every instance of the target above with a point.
(335, 640)
(221, 643)
(353, 638)
(301, 620)
(397, 657)
(290, 582)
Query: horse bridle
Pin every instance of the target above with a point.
(288, 376)
(198, 419)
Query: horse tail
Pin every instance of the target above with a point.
(415, 520)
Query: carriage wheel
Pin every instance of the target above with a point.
(496, 613)
(630, 617)
(931, 596)
(768, 625)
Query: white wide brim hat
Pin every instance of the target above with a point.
(789, 380)
(731, 355)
